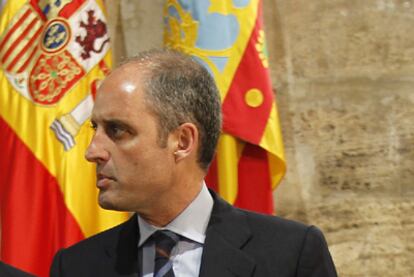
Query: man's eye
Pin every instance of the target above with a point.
(114, 130)
(93, 125)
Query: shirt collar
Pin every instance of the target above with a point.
(191, 223)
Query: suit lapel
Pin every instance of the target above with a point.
(226, 235)
(124, 253)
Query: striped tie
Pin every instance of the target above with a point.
(164, 242)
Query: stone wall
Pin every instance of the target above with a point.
(344, 75)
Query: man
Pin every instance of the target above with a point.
(157, 120)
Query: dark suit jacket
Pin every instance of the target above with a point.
(238, 243)
(9, 271)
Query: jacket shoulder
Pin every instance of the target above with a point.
(107, 237)
(99, 255)
(274, 224)
(10, 271)
(296, 246)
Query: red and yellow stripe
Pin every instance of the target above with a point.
(19, 43)
(250, 158)
(48, 198)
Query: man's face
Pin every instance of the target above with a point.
(133, 170)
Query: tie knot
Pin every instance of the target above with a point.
(165, 241)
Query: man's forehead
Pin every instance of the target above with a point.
(119, 73)
(118, 85)
(125, 79)
(129, 70)
(119, 116)
(108, 113)
(111, 104)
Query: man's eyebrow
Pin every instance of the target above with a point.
(116, 121)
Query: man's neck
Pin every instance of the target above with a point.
(167, 210)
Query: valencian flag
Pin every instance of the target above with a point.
(228, 38)
(53, 55)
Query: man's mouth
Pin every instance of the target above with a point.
(103, 180)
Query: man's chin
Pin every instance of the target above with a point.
(106, 203)
(109, 204)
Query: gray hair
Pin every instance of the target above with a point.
(179, 90)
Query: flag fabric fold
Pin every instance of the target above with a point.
(53, 55)
(228, 38)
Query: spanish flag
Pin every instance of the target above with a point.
(52, 55)
(228, 38)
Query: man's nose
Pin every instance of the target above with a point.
(96, 153)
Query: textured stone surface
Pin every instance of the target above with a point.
(333, 38)
(368, 237)
(357, 134)
(344, 75)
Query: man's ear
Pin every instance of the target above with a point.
(187, 141)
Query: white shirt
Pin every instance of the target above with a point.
(191, 224)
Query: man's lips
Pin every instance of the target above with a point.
(103, 180)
